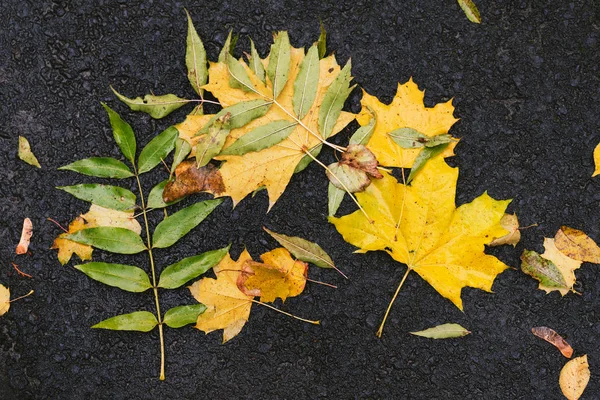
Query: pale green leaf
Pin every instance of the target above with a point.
(303, 249)
(255, 63)
(322, 42)
(195, 58)
(115, 240)
(180, 316)
(335, 196)
(142, 321)
(175, 226)
(545, 271)
(444, 331)
(261, 138)
(241, 114)
(364, 133)
(157, 150)
(408, 138)
(278, 69)
(26, 154)
(100, 167)
(306, 160)
(306, 83)
(238, 77)
(126, 277)
(113, 197)
(155, 106)
(470, 10)
(123, 134)
(189, 268)
(182, 150)
(210, 144)
(425, 155)
(333, 101)
(228, 47)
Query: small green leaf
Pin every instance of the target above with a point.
(238, 77)
(364, 133)
(115, 240)
(26, 154)
(156, 106)
(470, 10)
(210, 145)
(322, 43)
(303, 249)
(157, 150)
(126, 277)
(174, 227)
(545, 271)
(261, 138)
(113, 197)
(195, 58)
(189, 268)
(425, 155)
(306, 160)
(444, 331)
(155, 198)
(241, 114)
(182, 150)
(439, 139)
(123, 134)
(142, 321)
(335, 197)
(228, 47)
(255, 63)
(180, 316)
(408, 138)
(100, 167)
(306, 83)
(333, 101)
(279, 62)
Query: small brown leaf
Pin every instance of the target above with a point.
(355, 170)
(190, 179)
(550, 336)
(511, 224)
(26, 234)
(359, 157)
(574, 377)
(577, 245)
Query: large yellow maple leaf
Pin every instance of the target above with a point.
(272, 167)
(405, 111)
(420, 226)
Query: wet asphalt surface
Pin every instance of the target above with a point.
(526, 86)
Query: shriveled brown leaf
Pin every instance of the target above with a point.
(550, 336)
(26, 234)
(511, 224)
(190, 179)
(577, 245)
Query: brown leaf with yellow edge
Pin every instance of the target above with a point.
(272, 167)
(66, 248)
(278, 276)
(510, 222)
(405, 111)
(420, 226)
(574, 377)
(577, 245)
(227, 308)
(4, 299)
(190, 179)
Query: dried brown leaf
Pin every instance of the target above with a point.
(550, 336)
(577, 245)
(26, 234)
(190, 179)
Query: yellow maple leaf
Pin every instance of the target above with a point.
(405, 111)
(66, 248)
(420, 226)
(227, 307)
(272, 167)
(280, 276)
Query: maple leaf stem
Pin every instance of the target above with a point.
(286, 313)
(380, 330)
(154, 287)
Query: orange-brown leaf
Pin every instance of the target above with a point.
(577, 245)
(190, 179)
(550, 336)
(26, 234)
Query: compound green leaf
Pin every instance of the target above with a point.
(306, 83)
(100, 167)
(335, 197)
(180, 316)
(126, 277)
(261, 138)
(210, 144)
(333, 101)
(156, 106)
(278, 69)
(123, 134)
(189, 268)
(142, 321)
(195, 58)
(425, 155)
(241, 114)
(113, 197)
(115, 240)
(255, 63)
(157, 150)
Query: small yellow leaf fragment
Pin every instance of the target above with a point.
(444, 331)
(550, 336)
(511, 224)
(26, 154)
(597, 160)
(100, 216)
(4, 299)
(565, 265)
(470, 10)
(574, 377)
(26, 234)
(67, 247)
(577, 245)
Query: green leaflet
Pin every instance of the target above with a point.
(113, 197)
(255, 63)
(470, 10)
(210, 145)
(333, 101)
(545, 271)
(155, 198)
(322, 42)
(306, 83)
(156, 106)
(142, 321)
(279, 62)
(228, 47)
(364, 133)
(335, 197)
(303, 249)
(182, 150)
(195, 58)
(189, 268)
(444, 331)
(306, 160)
(238, 77)
(241, 114)
(425, 155)
(157, 150)
(26, 154)
(100, 167)
(410, 138)
(261, 138)
(115, 240)
(126, 277)
(176, 226)
(180, 316)
(123, 134)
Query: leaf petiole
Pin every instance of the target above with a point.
(286, 313)
(380, 330)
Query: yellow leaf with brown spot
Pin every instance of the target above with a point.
(420, 226)
(577, 245)
(278, 276)
(4, 299)
(227, 308)
(405, 111)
